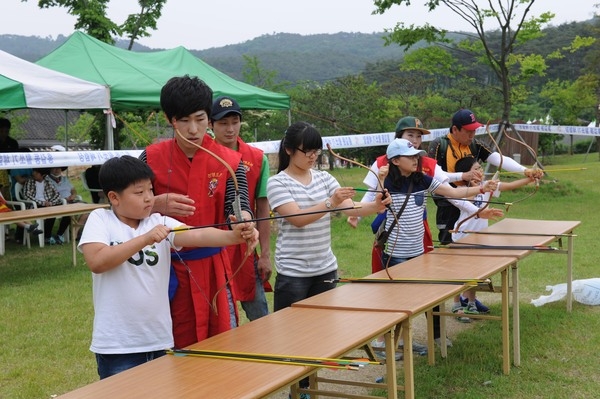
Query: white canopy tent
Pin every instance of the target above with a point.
(24, 84)
(27, 85)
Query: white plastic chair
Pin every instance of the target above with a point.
(30, 205)
(91, 190)
(16, 205)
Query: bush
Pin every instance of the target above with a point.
(581, 147)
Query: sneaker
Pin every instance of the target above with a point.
(50, 241)
(438, 342)
(481, 308)
(416, 347)
(381, 353)
(33, 227)
(459, 310)
(471, 308)
(59, 240)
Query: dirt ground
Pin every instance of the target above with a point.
(371, 373)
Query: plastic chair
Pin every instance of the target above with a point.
(91, 190)
(16, 205)
(29, 205)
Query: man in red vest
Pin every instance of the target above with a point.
(253, 277)
(196, 188)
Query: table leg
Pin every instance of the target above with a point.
(74, 238)
(570, 273)
(2, 232)
(443, 346)
(408, 364)
(506, 320)
(516, 315)
(430, 340)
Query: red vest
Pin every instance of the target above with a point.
(204, 179)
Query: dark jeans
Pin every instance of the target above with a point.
(113, 364)
(293, 289)
(445, 219)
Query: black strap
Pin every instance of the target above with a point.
(410, 187)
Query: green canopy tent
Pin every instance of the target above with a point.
(135, 79)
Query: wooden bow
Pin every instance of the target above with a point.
(237, 210)
(535, 165)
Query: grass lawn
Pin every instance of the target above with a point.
(46, 309)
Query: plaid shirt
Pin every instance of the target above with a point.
(50, 193)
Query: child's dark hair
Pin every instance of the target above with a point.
(398, 180)
(118, 173)
(464, 164)
(42, 171)
(299, 134)
(184, 95)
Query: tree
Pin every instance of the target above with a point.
(513, 25)
(91, 17)
(77, 132)
(262, 125)
(348, 105)
(137, 25)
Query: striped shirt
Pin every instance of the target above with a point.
(406, 239)
(303, 251)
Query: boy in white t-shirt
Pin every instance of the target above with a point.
(128, 251)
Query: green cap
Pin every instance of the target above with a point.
(410, 122)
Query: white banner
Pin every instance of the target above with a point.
(23, 160)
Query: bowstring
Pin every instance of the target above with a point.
(179, 257)
(380, 183)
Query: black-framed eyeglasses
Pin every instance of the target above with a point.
(311, 153)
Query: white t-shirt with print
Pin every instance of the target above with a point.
(131, 303)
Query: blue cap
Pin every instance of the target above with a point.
(402, 148)
(465, 119)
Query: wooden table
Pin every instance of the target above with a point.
(522, 232)
(459, 266)
(58, 211)
(288, 332)
(413, 299)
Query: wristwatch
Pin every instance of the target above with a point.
(328, 204)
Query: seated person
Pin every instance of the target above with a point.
(19, 176)
(43, 193)
(62, 184)
(67, 191)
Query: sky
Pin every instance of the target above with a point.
(189, 23)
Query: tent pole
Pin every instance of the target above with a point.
(110, 143)
(67, 129)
